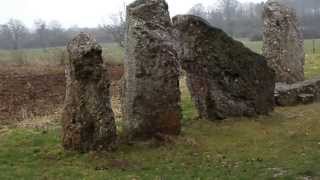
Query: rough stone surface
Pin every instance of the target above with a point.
(299, 93)
(88, 120)
(283, 42)
(151, 94)
(225, 78)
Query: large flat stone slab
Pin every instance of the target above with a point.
(225, 78)
(304, 92)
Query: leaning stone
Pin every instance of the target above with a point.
(283, 42)
(151, 94)
(225, 78)
(305, 92)
(88, 120)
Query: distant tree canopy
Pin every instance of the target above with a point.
(15, 35)
(244, 20)
(240, 20)
(117, 28)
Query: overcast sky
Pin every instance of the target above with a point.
(83, 13)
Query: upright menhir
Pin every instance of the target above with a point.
(283, 42)
(88, 120)
(151, 94)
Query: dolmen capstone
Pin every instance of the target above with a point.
(283, 42)
(304, 92)
(151, 94)
(225, 78)
(88, 120)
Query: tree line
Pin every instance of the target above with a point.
(240, 20)
(15, 35)
(244, 20)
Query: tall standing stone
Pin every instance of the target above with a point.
(88, 120)
(151, 94)
(225, 78)
(283, 42)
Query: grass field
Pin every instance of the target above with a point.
(312, 66)
(284, 145)
(54, 56)
(114, 55)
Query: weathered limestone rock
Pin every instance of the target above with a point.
(225, 78)
(283, 42)
(151, 94)
(88, 120)
(299, 93)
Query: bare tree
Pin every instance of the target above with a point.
(42, 32)
(57, 34)
(15, 31)
(241, 20)
(228, 7)
(116, 28)
(198, 10)
(216, 18)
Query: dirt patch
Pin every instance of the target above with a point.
(116, 72)
(28, 91)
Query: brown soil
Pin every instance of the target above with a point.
(27, 91)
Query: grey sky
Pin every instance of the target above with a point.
(83, 13)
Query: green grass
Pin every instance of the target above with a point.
(312, 66)
(285, 145)
(189, 110)
(312, 63)
(308, 45)
(112, 53)
(50, 56)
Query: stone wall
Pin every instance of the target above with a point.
(299, 93)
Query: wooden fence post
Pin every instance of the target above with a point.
(314, 46)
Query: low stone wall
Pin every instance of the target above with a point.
(304, 92)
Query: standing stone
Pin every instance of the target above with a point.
(88, 120)
(225, 78)
(283, 42)
(151, 94)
